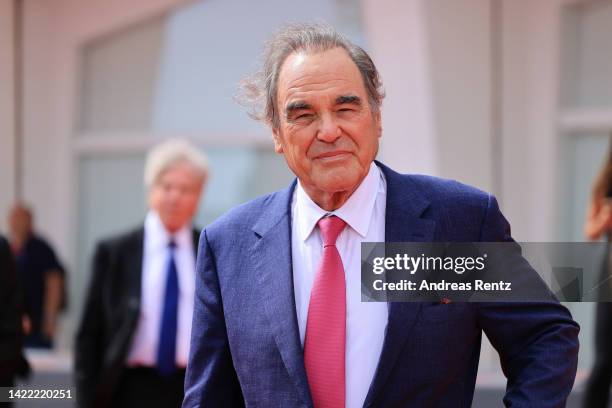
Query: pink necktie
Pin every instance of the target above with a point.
(326, 325)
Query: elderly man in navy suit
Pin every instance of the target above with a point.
(278, 317)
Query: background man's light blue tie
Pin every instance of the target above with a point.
(166, 351)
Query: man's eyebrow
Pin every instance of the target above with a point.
(295, 106)
(351, 99)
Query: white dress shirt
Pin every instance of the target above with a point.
(143, 350)
(364, 214)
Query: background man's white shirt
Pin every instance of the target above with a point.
(143, 351)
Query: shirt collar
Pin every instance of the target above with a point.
(157, 237)
(356, 211)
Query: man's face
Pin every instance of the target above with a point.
(175, 195)
(327, 130)
(20, 222)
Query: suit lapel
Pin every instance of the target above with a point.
(271, 260)
(134, 266)
(129, 283)
(403, 223)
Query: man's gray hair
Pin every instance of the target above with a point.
(259, 91)
(171, 153)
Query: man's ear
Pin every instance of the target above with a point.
(278, 147)
(378, 123)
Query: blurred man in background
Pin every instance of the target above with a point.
(42, 278)
(133, 341)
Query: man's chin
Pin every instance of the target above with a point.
(171, 225)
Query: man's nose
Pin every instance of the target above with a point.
(173, 194)
(328, 130)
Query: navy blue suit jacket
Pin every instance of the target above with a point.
(245, 345)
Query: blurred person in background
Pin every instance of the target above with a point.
(12, 362)
(599, 224)
(42, 278)
(133, 341)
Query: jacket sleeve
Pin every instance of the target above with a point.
(211, 379)
(10, 317)
(537, 341)
(89, 340)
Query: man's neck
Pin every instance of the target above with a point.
(331, 201)
(18, 242)
(328, 201)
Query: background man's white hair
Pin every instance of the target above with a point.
(170, 153)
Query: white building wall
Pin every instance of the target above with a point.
(398, 44)
(7, 110)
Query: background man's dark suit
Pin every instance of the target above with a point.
(246, 350)
(110, 317)
(11, 335)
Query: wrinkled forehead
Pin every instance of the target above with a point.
(332, 70)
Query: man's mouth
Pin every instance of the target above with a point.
(333, 155)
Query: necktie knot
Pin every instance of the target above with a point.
(330, 228)
(172, 244)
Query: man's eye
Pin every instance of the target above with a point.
(304, 116)
(345, 110)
